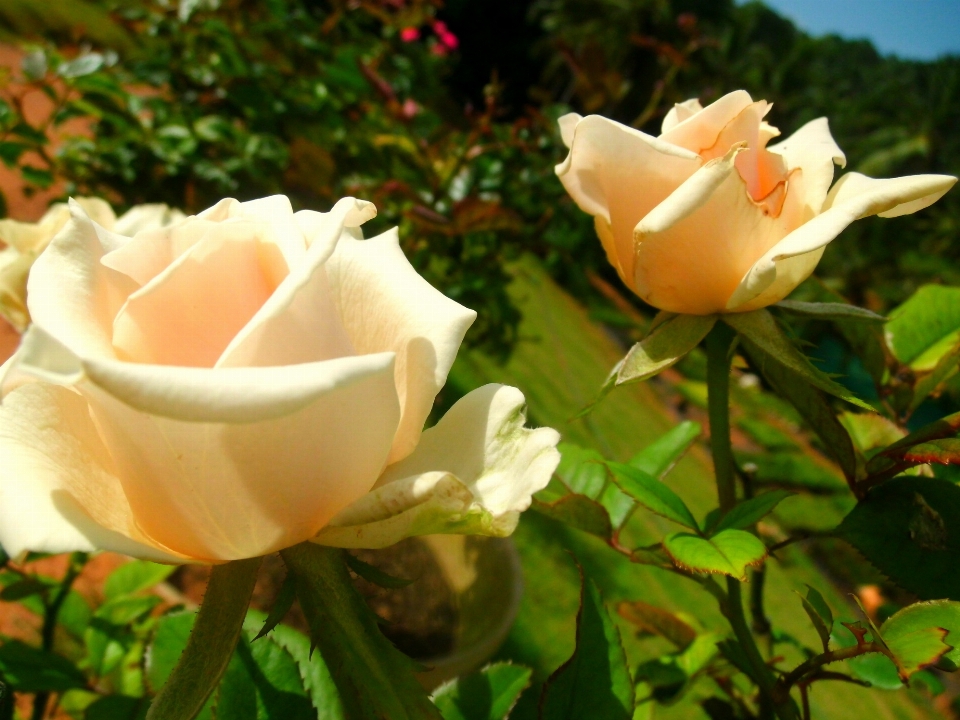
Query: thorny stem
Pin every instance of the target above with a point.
(782, 689)
(719, 345)
(50, 613)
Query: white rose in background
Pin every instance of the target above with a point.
(706, 218)
(242, 381)
(22, 243)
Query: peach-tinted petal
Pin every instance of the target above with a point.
(71, 293)
(701, 130)
(618, 174)
(813, 150)
(221, 464)
(190, 312)
(58, 490)
(680, 112)
(152, 251)
(693, 248)
(300, 322)
(386, 306)
(854, 196)
(474, 472)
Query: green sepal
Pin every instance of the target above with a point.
(667, 343)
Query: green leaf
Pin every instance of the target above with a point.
(83, 65)
(762, 331)
(211, 643)
(373, 678)
(652, 494)
(373, 574)
(943, 614)
(659, 457)
(657, 621)
(281, 606)
(747, 513)
(170, 637)
(917, 650)
(578, 511)
(37, 176)
(486, 695)
(34, 64)
(874, 668)
(812, 406)
(909, 529)
(134, 576)
(10, 153)
(729, 552)
(829, 311)
(925, 327)
(595, 683)
(107, 637)
(262, 681)
(870, 431)
(29, 669)
(931, 382)
(24, 588)
(820, 615)
(665, 679)
(933, 443)
(583, 471)
(667, 343)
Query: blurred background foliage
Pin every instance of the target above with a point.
(443, 115)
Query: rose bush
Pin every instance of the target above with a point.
(22, 243)
(707, 218)
(242, 381)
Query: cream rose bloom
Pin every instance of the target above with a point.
(242, 381)
(706, 218)
(22, 243)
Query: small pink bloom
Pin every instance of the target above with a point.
(449, 40)
(439, 49)
(410, 34)
(410, 108)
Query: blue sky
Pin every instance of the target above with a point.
(918, 29)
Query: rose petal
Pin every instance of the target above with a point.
(73, 295)
(701, 130)
(813, 150)
(618, 174)
(147, 217)
(300, 322)
(221, 464)
(189, 313)
(14, 271)
(680, 112)
(854, 196)
(58, 492)
(385, 306)
(474, 472)
(705, 236)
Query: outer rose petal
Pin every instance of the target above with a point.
(693, 247)
(854, 196)
(813, 150)
(71, 293)
(618, 174)
(474, 472)
(14, 271)
(33, 237)
(58, 492)
(386, 306)
(231, 463)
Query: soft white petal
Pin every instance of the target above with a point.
(813, 150)
(618, 174)
(385, 306)
(229, 395)
(71, 293)
(680, 112)
(474, 472)
(147, 217)
(568, 123)
(58, 491)
(854, 196)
